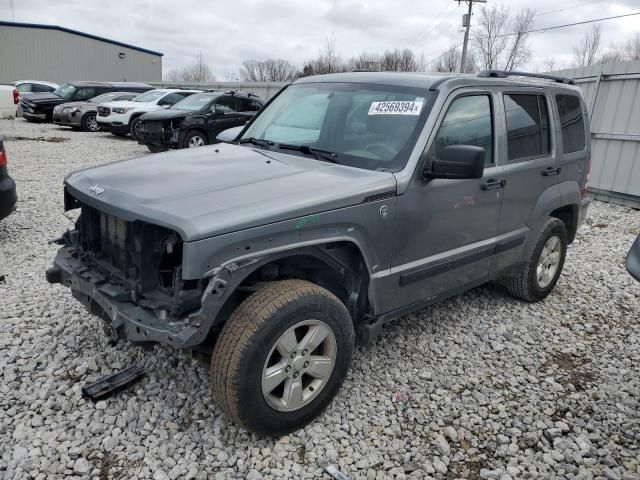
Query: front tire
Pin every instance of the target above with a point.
(89, 123)
(136, 128)
(193, 139)
(282, 357)
(544, 266)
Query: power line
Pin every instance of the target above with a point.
(426, 27)
(567, 8)
(566, 25)
(540, 30)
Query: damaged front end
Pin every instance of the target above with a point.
(164, 133)
(129, 273)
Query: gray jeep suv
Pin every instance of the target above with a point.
(349, 200)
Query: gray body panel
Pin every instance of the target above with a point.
(238, 208)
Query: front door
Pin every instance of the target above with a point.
(446, 229)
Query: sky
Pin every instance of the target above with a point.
(230, 31)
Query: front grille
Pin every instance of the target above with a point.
(113, 240)
(103, 111)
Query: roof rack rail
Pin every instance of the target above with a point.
(506, 74)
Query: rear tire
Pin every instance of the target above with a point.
(267, 373)
(544, 266)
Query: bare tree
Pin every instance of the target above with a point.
(629, 50)
(328, 60)
(195, 72)
(364, 61)
(401, 61)
(549, 64)
(500, 40)
(587, 51)
(270, 70)
(449, 61)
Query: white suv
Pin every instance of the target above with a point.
(122, 117)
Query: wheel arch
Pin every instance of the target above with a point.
(340, 267)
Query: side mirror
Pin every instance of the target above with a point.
(230, 134)
(633, 260)
(458, 162)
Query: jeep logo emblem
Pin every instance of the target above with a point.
(97, 189)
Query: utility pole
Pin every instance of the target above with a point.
(466, 22)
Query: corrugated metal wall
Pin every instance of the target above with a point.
(58, 56)
(265, 90)
(612, 93)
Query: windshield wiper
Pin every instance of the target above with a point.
(318, 153)
(257, 141)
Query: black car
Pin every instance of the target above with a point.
(8, 197)
(197, 120)
(39, 106)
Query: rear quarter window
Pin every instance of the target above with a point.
(572, 123)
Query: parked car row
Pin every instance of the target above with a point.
(162, 118)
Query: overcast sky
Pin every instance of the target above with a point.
(230, 31)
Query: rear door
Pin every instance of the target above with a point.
(572, 113)
(530, 166)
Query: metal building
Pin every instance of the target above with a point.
(58, 54)
(612, 93)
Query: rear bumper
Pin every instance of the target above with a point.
(8, 196)
(584, 208)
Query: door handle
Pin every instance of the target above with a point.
(492, 184)
(547, 172)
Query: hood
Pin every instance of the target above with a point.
(45, 97)
(208, 191)
(123, 103)
(167, 114)
(77, 104)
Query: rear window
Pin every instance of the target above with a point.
(527, 126)
(572, 122)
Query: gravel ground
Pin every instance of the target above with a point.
(496, 388)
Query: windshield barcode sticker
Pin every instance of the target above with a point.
(395, 108)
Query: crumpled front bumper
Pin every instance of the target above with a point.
(123, 318)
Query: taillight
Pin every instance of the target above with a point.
(16, 96)
(587, 172)
(3, 154)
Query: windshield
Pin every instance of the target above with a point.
(151, 96)
(193, 102)
(366, 126)
(65, 91)
(105, 97)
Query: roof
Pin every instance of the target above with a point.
(431, 80)
(41, 82)
(76, 32)
(89, 83)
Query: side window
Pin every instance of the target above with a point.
(572, 122)
(226, 103)
(42, 88)
(468, 122)
(247, 105)
(171, 98)
(527, 126)
(85, 94)
(25, 88)
(128, 96)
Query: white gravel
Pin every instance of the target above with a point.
(498, 389)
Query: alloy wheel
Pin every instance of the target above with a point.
(549, 261)
(299, 365)
(196, 141)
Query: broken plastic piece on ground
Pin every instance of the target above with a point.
(110, 384)
(400, 397)
(335, 473)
